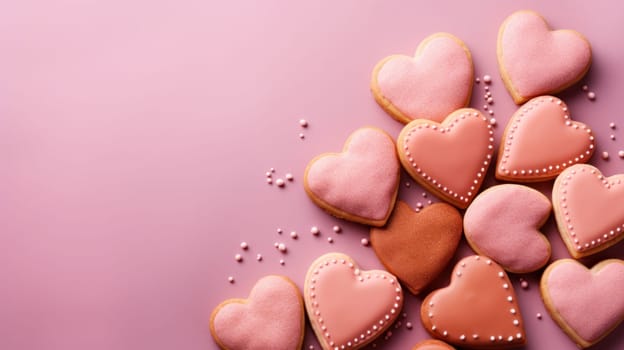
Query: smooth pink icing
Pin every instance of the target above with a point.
(503, 223)
(538, 138)
(351, 301)
(437, 81)
(593, 209)
(362, 180)
(590, 302)
(271, 318)
(538, 60)
(455, 157)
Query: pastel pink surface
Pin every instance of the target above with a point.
(541, 138)
(362, 180)
(540, 61)
(590, 302)
(589, 206)
(503, 222)
(431, 85)
(353, 305)
(271, 318)
(450, 156)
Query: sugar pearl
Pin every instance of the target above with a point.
(487, 79)
(280, 182)
(585, 88)
(269, 180)
(315, 230)
(259, 257)
(289, 177)
(238, 257)
(330, 240)
(279, 231)
(612, 125)
(591, 95)
(612, 137)
(364, 242)
(282, 262)
(303, 123)
(281, 247)
(524, 284)
(621, 154)
(231, 279)
(337, 229)
(492, 121)
(301, 136)
(244, 245)
(294, 235)
(539, 316)
(605, 155)
(408, 325)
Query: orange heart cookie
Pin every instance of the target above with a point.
(416, 247)
(271, 318)
(479, 309)
(361, 183)
(541, 140)
(448, 159)
(349, 307)
(430, 85)
(534, 60)
(432, 344)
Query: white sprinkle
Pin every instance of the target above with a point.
(605, 155)
(244, 245)
(231, 279)
(612, 125)
(337, 229)
(492, 121)
(330, 240)
(280, 182)
(591, 95)
(289, 177)
(259, 257)
(301, 136)
(315, 230)
(487, 79)
(364, 242)
(303, 123)
(621, 154)
(238, 257)
(282, 262)
(281, 247)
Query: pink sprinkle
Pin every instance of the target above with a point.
(337, 229)
(238, 257)
(612, 125)
(279, 231)
(272, 170)
(281, 247)
(524, 284)
(477, 80)
(539, 316)
(268, 174)
(269, 180)
(231, 279)
(585, 88)
(244, 245)
(303, 123)
(408, 325)
(486, 88)
(429, 201)
(301, 136)
(424, 194)
(294, 235)
(289, 177)
(280, 182)
(487, 79)
(364, 242)
(259, 257)
(282, 262)
(315, 230)
(276, 244)
(330, 240)
(407, 184)
(591, 95)
(621, 154)
(311, 347)
(419, 205)
(492, 121)
(612, 137)
(486, 107)
(605, 155)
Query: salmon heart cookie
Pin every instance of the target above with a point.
(449, 159)
(588, 209)
(502, 223)
(430, 85)
(534, 60)
(586, 304)
(361, 183)
(477, 310)
(416, 247)
(271, 318)
(541, 140)
(349, 307)
(432, 344)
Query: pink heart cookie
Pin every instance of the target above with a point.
(271, 318)
(361, 183)
(349, 307)
(502, 223)
(588, 209)
(430, 85)
(586, 304)
(449, 159)
(533, 60)
(541, 140)
(479, 309)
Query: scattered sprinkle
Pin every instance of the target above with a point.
(279, 231)
(489, 111)
(281, 247)
(303, 123)
(269, 180)
(407, 184)
(585, 88)
(337, 229)
(289, 177)
(487, 79)
(490, 100)
(330, 240)
(311, 347)
(231, 279)
(280, 183)
(492, 121)
(301, 136)
(612, 137)
(244, 245)
(294, 235)
(259, 257)
(268, 174)
(408, 325)
(364, 242)
(524, 284)
(276, 244)
(424, 194)
(282, 262)
(486, 88)
(591, 95)
(605, 155)
(477, 80)
(419, 205)
(612, 125)
(621, 154)
(315, 230)
(539, 316)
(238, 257)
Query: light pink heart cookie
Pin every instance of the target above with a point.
(430, 85)
(271, 318)
(588, 209)
(502, 223)
(448, 159)
(349, 307)
(361, 183)
(534, 60)
(586, 304)
(541, 140)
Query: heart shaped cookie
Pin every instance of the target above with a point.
(586, 304)
(541, 140)
(503, 223)
(361, 183)
(448, 159)
(271, 318)
(588, 209)
(478, 309)
(432, 344)
(417, 246)
(349, 307)
(534, 60)
(430, 85)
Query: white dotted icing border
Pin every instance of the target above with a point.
(513, 311)
(551, 169)
(602, 238)
(464, 197)
(375, 328)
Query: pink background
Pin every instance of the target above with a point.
(135, 135)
